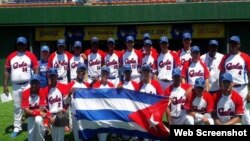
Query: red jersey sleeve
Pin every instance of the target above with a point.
(43, 96)
(33, 59)
(68, 54)
(157, 87)
(189, 100)
(139, 55)
(210, 102)
(206, 71)
(221, 67)
(177, 61)
(111, 85)
(136, 86)
(25, 99)
(185, 69)
(7, 62)
(246, 59)
(63, 89)
(237, 99)
(50, 60)
(97, 84)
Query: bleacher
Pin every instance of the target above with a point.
(39, 3)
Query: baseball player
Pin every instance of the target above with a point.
(19, 66)
(34, 105)
(177, 93)
(132, 57)
(76, 59)
(103, 83)
(148, 85)
(95, 59)
(229, 107)
(56, 92)
(146, 36)
(212, 60)
(60, 60)
(150, 57)
(237, 63)
(127, 83)
(77, 83)
(200, 104)
(112, 61)
(195, 68)
(185, 53)
(166, 62)
(43, 63)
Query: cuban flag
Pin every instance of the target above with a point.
(120, 111)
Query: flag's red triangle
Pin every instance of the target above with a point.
(150, 119)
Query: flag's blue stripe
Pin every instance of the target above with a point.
(117, 93)
(90, 133)
(95, 115)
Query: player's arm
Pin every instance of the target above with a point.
(216, 119)
(168, 114)
(6, 80)
(234, 120)
(207, 87)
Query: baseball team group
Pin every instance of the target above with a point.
(208, 89)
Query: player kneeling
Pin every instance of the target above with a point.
(33, 104)
(199, 104)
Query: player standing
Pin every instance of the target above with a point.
(60, 60)
(19, 66)
(185, 53)
(237, 63)
(43, 63)
(212, 60)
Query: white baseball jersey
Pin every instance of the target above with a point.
(153, 87)
(238, 65)
(55, 97)
(61, 62)
(112, 61)
(177, 96)
(21, 65)
(150, 60)
(213, 64)
(73, 62)
(184, 56)
(228, 106)
(94, 64)
(166, 63)
(132, 58)
(192, 71)
(130, 85)
(203, 104)
(33, 102)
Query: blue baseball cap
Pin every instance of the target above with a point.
(148, 42)
(235, 39)
(226, 77)
(186, 35)
(176, 72)
(35, 77)
(146, 36)
(195, 48)
(213, 42)
(130, 38)
(45, 48)
(22, 40)
(199, 82)
(146, 67)
(111, 40)
(78, 44)
(94, 40)
(105, 68)
(81, 66)
(127, 67)
(61, 42)
(52, 71)
(163, 39)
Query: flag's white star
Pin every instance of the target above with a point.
(152, 122)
